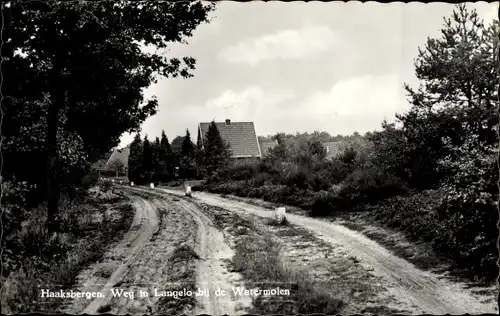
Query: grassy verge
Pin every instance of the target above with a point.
(409, 225)
(55, 260)
(182, 267)
(257, 258)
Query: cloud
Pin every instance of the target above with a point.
(252, 96)
(287, 44)
(364, 95)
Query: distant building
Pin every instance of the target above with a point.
(266, 146)
(118, 157)
(240, 136)
(334, 148)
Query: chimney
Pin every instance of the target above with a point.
(228, 122)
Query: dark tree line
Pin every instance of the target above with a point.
(158, 161)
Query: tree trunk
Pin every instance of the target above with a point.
(52, 185)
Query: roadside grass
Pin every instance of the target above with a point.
(341, 284)
(416, 251)
(55, 260)
(182, 267)
(277, 222)
(257, 258)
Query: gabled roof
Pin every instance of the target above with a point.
(267, 145)
(241, 137)
(337, 147)
(334, 148)
(119, 154)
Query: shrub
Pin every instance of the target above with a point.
(198, 187)
(370, 185)
(322, 205)
(297, 179)
(90, 179)
(106, 185)
(348, 156)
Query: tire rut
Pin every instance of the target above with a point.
(149, 225)
(418, 291)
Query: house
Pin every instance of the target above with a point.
(240, 136)
(119, 157)
(334, 148)
(266, 146)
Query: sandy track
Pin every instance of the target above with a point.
(414, 290)
(215, 255)
(154, 268)
(147, 218)
(212, 271)
(118, 259)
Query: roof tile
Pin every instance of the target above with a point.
(241, 137)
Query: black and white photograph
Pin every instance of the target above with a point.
(249, 158)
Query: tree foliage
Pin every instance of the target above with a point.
(187, 164)
(448, 139)
(166, 158)
(82, 63)
(135, 160)
(216, 152)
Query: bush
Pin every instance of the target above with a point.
(322, 205)
(106, 185)
(198, 187)
(90, 179)
(297, 179)
(370, 185)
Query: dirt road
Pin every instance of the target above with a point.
(154, 257)
(414, 290)
(144, 225)
(212, 271)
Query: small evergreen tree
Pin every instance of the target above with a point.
(135, 168)
(187, 157)
(147, 159)
(216, 152)
(166, 158)
(156, 165)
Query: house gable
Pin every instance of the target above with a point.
(240, 136)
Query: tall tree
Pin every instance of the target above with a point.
(156, 165)
(216, 152)
(166, 158)
(448, 139)
(456, 98)
(135, 160)
(83, 59)
(187, 156)
(147, 159)
(187, 149)
(458, 74)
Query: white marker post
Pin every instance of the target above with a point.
(280, 214)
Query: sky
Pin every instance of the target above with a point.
(299, 67)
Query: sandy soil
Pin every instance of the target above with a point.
(213, 271)
(154, 268)
(144, 261)
(414, 290)
(104, 276)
